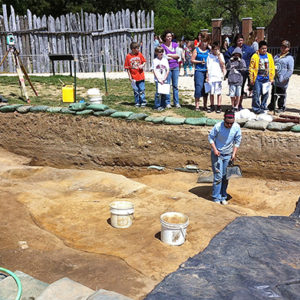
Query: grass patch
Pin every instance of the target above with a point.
(120, 94)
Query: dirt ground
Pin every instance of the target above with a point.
(63, 215)
(60, 173)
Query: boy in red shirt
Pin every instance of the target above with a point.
(134, 64)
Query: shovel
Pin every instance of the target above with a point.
(233, 171)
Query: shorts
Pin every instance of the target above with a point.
(235, 90)
(216, 88)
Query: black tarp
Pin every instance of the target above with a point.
(252, 258)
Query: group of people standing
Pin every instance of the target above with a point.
(239, 63)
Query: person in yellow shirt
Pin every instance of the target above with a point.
(261, 73)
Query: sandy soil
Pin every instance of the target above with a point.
(64, 217)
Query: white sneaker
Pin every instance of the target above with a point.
(169, 106)
(178, 106)
(224, 202)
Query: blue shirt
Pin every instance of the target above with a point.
(263, 68)
(201, 56)
(225, 138)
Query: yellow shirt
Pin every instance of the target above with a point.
(254, 65)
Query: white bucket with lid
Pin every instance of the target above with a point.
(173, 228)
(121, 214)
(94, 95)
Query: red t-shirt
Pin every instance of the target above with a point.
(132, 63)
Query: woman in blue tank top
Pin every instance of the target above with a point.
(199, 58)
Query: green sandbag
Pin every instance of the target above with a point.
(277, 126)
(257, 125)
(137, 116)
(158, 120)
(39, 108)
(295, 128)
(107, 112)
(196, 121)
(9, 108)
(212, 122)
(85, 112)
(77, 106)
(97, 107)
(174, 121)
(149, 119)
(241, 122)
(122, 114)
(65, 110)
(23, 109)
(54, 109)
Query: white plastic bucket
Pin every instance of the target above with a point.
(121, 214)
(173, 228)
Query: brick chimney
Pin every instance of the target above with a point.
(246, 28)
(260, 33)
(216, 30)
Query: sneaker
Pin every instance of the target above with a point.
(178, 106)
(281, 110)
(137, 105)
(169, 106)
(209, 109)
(224, 202)
(204, 108)
(217, 201)
(160, 108)
(219, 110)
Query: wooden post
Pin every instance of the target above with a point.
(260, 33)
(216, 30)
(246, 28)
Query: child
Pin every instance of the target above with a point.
(161, 71)
(188, 50)
(134, 63)
(236, 67)
(215, 73)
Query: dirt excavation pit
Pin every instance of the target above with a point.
(60, 174)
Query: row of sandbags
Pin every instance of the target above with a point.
(104, 110)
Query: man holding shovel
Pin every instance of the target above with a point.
(224, 138)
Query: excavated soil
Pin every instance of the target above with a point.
(60, 173)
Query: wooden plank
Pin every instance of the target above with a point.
(59, 46)
(92, 50)
(80, 64)
(133, 25)
(37, 40)
(6, 26)
(88, 42)
(74, 25)
(106, 44)
(152, 39)
(73, 39)
(45, 48)
(52, 40)
(25, 41)
(84, 48)
(138, 15)
(143, 23)
(32, 41)
(115, 53)
(2, 45)
(69, 36)
(111, 46)
(100, 42)
(64, 42)
(126, 46)
(149, 42)
(123, 49)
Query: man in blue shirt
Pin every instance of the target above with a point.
(225, 139)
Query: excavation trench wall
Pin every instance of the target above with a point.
(67, 141)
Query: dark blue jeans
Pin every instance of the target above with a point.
(258, 106)
(173, 74)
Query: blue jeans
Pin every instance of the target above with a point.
(139, 93)
(160, 99)
(199, 79)
(257, 106)
(219, 166)
(173, 74)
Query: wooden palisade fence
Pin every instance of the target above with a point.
(93, 39)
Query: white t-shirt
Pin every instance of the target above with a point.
(213, 68)
(161, 67)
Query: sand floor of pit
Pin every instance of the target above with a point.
(63, 215)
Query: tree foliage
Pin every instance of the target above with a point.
(183, 17)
